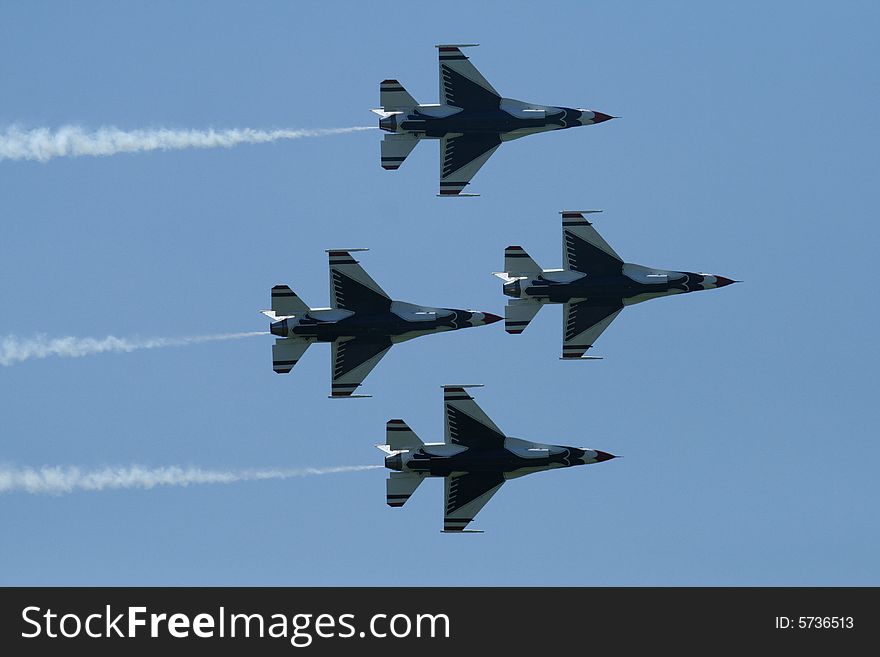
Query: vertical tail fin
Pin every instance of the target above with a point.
(519, 263)
(392, 96)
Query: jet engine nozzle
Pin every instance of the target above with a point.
(394, 462)
(279, 328)
(513, 289)
(388, 123)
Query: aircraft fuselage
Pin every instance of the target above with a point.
(330, 325)
(437, 121)
(633, 284)
(440, 460)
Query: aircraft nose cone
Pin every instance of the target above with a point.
(489, 318)
(721, 281)
(604, 456)
(599, 117)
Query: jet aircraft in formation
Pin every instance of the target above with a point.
(594, 285)
(475, 459)
(471, 121)
(362, 323)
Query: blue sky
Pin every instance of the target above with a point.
(747, 415)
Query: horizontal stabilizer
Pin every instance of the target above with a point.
(392, 96)
(399, 436)
(400, 486)
(395, 149)
(519, 263)
(518, 313)
(286, 303)
(286, 352)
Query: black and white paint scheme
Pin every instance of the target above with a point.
(594, 285)
(475, 459)
(362, 323)
(471, 120)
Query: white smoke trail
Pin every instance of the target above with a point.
(42, 144)
(55, 480)
(15, 350)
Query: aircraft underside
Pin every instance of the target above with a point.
(502, 461)
(479, 124)
(563, 293)
(475, 459)
(387, 328)
(361, 324)
(471, 120)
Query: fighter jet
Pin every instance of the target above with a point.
(475, 459)
(594, 285)
(362, 323)
(471, 120)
